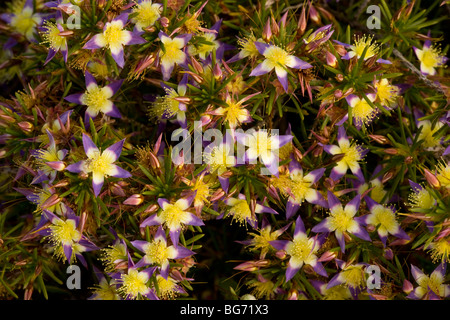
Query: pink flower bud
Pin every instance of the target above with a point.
(331, 59)
(431, 179)
(217, 72)
(267, 31)
(134, 200)
(51, 201)
(327, 256)
(301, 26)
(164, 22)
(280, 254)
(407, 286)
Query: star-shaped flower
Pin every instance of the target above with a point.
(101, 164)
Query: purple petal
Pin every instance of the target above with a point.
(283, 80)
(300, 64)
(67, 251)
(341, 240)
(165, 270)
(135, 39)
(263, 209)
(194, 220)
(321, 227)
(259, 70)
(362, 234)
(118, 57)
(291, 209)
(401, 234)
(51, 54)
(299, 227)
(279, 244)
(76, 167)
(114, 113)
(115, 85)
(261, 47)
(89, 79)
(120, 173)
(415, 186)
(185, 37)
(317, 174)
(320, 269)
(370, 202)
(162, 202)
(333, 201)
(182, 252)
(139, 244)
(335, 281)
(116, 149)
(290, 272)
(74, 98)
(153, 220)
(345, 45)
(294, 166)
(335, 174)
(175, 236)
(342, 135)
(93, 43)
(224, 183)
(97, 186)
(354, 203)
(384, 61)
(122, 18)
(89, 145)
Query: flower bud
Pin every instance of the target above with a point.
(280, 254)
(51, 201)
(379, 138)
(275, 28)
(152, 208)
(391, 151)
(339, 77)
(407, 286)
(217, 72)
(164, 22)
(56, 165)
(248, 297)
(293, 294)
(389, 254)
(134, 200)
(197, 65)
(301, 26)
(431, 179)
(117, 190)
(327, 256)
(331, 59)
(267, 32)
(314, 14)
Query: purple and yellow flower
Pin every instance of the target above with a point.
(146, 13)
(241, 212)
(168, 287)
(114, 37)
(172, 103)
(172, 52)
(430, 58)
(66, 238)
(158, 253)
(208, 44)
(333, 293)
(115, 256)
(342, 220)
(360, 44)
(386, 220)
(279, 59)
(133, 284)
(362, 112)
(263, 145)
(420, 198)
(96, 98)
(318, 37)
(387, 93)
(235, 112)
(101, 164)
(352, 154)
(57, 42)
(49, 161)
(300, 187)
(174, 216)
(248, 48)
(427, 133)
(430, 287)
(302, 251)
(443, 174)
(261, 241)
(23, 20)
(352, 276)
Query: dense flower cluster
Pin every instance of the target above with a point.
(145, 141)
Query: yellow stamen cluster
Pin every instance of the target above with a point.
(172, 216)
(384, 217)
(421, 198)
(147, 14)
(63, 233)
(51, 36)
(112, 255)
(241, 212)
(386, 93)
(301, 248)
(340, 219)
(276, 56)
(443, 174)
(248, 46)
(353, 276)
(165, 106)
(219, 159)
(440, 250)
(157, 252)
(99, 163)
(95, 98)
(167, 288)
(134, 284)
(363, 42)
(262, 289)
(363, 112)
